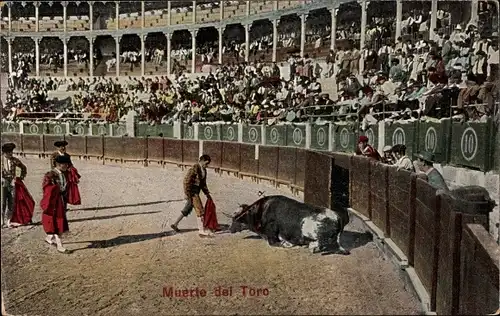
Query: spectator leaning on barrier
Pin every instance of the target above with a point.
(366, 150)
(402, 160)
(388, 158)
(424, 164)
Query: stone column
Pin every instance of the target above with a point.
(474, 7)
(117, 42)
(169, 14)
(36, 4)
(275, 38)
(303, 19)
(334, 12)
(221, 10)
(65, 16)
(399, 17)
(91, 15)
(169, 55)
(117, 15)
(37, 56)
(9, 14)
(275, 5)
(221, 32)
(247, 42)
(194, 12)
(434, 9)
(65, 54)
(248, 8)
(91, 56)
(193, 50)
(364, 5)
(9, 52)
(143, 51)
(143, 18)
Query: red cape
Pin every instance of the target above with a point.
(74, 197)
(54, 216)
(24, 205)
(210, 217)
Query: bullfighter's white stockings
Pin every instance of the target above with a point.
(201, 229)
(49, 239)
(59, 244)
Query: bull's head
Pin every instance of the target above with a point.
(240, 219)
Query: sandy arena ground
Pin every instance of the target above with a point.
(125, 254)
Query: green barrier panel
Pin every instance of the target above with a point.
(276, 135)
(372, 134)
(10, 127)
(252, 134)
(398, 133)
(34, 128)
(470, 145)
(100, 129)
(296, 135)
(119, 129)
(57, 128)
(229, 132)
(434, 137)
(345, 138)
(145, 129)
(81, 129)
(187, 131)
(165, 130)
(208, 132)
(320, 136)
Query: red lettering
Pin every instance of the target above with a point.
(168, 292)
(182, 293)
(250, 291)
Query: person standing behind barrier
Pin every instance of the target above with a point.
(9, 164)
(194, 182)
(387, 158)
(402, 160)
(54, 219)
(424, 164)
(366, 150)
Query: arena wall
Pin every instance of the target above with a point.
(448, 255)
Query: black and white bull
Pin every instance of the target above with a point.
(285, 222)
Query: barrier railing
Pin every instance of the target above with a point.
(470, 144)
(455, 261)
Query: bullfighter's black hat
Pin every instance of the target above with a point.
(61, 143)
(8, 147)
(62, 159)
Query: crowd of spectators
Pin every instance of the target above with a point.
(452, 72)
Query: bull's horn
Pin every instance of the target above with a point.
(226, 214)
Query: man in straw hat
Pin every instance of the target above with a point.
(425, 164)
(54, 219)
(9, 165)
(194, 182)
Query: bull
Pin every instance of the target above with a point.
(285, 222)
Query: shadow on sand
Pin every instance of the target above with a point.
(123, 240)
(98, 208)
(349, 240)
(96, 218)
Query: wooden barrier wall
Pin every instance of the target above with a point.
(452, 253)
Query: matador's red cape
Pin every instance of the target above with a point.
(210, 216)
(24, 205)
(74, 197)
